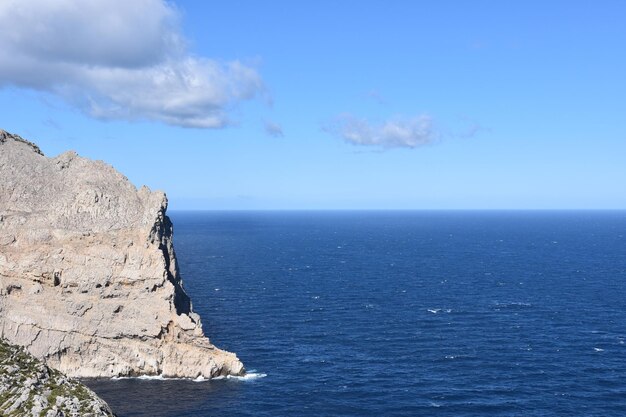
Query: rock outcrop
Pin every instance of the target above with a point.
(88, 275)
(30, 388)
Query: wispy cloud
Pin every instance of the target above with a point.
(399, 132)
(469, 129)
(376, 96)
(119, 59)
(51, 123)
(274, 129)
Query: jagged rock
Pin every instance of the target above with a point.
(30, 388)
(88, 275)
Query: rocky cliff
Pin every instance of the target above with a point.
(88, 275)
(30, 388)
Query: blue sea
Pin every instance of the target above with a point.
(455, 313)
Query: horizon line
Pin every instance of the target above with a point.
(395, 209)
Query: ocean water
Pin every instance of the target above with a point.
(402, 314)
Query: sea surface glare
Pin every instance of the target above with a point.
(401, 314)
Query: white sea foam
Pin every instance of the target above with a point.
(439, 310)
(143, 377)
(598, 349)
(511, 304)
(248, 376)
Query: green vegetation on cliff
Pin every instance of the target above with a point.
(30, 388)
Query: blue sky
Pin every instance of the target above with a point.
(330, 105)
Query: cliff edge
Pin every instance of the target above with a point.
(88, 275)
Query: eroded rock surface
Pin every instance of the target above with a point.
(29, 388)
(88, 275)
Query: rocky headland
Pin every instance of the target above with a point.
(88, 276)
(30, 388)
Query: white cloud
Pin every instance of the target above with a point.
(118, 59)
(398, 132)
(274, 129)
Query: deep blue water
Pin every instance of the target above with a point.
(402, 314)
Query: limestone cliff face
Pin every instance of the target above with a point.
(88, 275)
